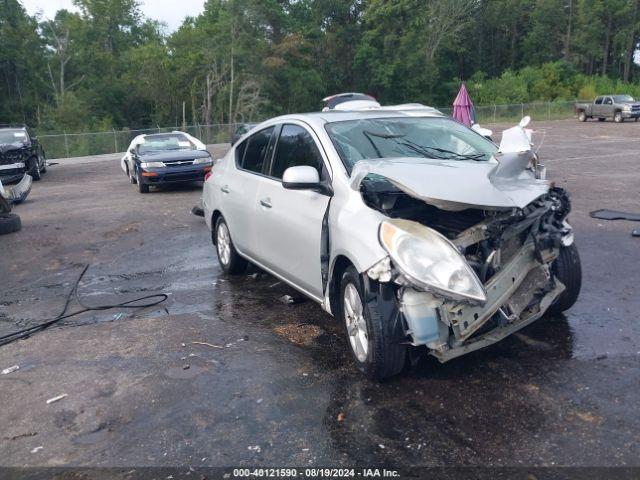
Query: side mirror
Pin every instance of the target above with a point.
(305, 178)
(301, 178)
(133, 151)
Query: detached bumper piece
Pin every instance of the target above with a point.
(19, 192)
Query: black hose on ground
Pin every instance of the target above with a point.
(135, 303)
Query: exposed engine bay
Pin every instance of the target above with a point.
(510, 250)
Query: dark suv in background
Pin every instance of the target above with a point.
(20, 153)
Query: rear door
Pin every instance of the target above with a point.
(289, 222)
(607, 107)
(239, 189)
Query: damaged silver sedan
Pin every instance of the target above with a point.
(415, 231)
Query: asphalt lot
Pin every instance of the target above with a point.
(275, 385)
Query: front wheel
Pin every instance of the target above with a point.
(230, 261)
(376, 355)
(618, 118)
(142, 187)
(34, 169)
(568, 270)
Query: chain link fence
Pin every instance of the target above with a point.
(66, 145)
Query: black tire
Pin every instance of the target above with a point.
(636, 119)
(618, 118)
(34, 169)
(601, 119)
(582, 116)
(142, 187)
(384, 357)
(9, 223)
(568, 270)
(230, 261)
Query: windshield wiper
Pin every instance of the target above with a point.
(465, 156)
(423, 150)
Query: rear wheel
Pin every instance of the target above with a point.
(618, 118)
(568, 270)
(582, 117)
(375, 354)
(230, 261)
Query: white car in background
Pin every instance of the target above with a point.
(415, 231)
(126, 162)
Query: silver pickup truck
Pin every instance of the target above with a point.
(618, 107)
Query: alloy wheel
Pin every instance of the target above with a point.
(356, 323)
(223, 243)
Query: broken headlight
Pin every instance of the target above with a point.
(430, 261)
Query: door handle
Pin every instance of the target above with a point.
(225, 189)
(266, 202)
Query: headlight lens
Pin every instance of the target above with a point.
(152, 164)
(626, 108)
(203, 161)
(430, 260)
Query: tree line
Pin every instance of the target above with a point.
(107, 66)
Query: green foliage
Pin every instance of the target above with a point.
(240, 60)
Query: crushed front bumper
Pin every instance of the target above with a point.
(518, 294)
(12, 172)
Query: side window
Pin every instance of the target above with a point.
(256, 150)
(240, 149)
(295, 147)
(608, 101)
(599, 101)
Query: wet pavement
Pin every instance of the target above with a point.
(225, 374)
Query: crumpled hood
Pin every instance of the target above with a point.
(498, 184)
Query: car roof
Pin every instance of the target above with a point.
(330, 116)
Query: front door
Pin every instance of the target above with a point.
(289, 222)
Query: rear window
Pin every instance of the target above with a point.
(256, 150)
(332, 102)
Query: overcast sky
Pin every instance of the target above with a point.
(170, 12)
